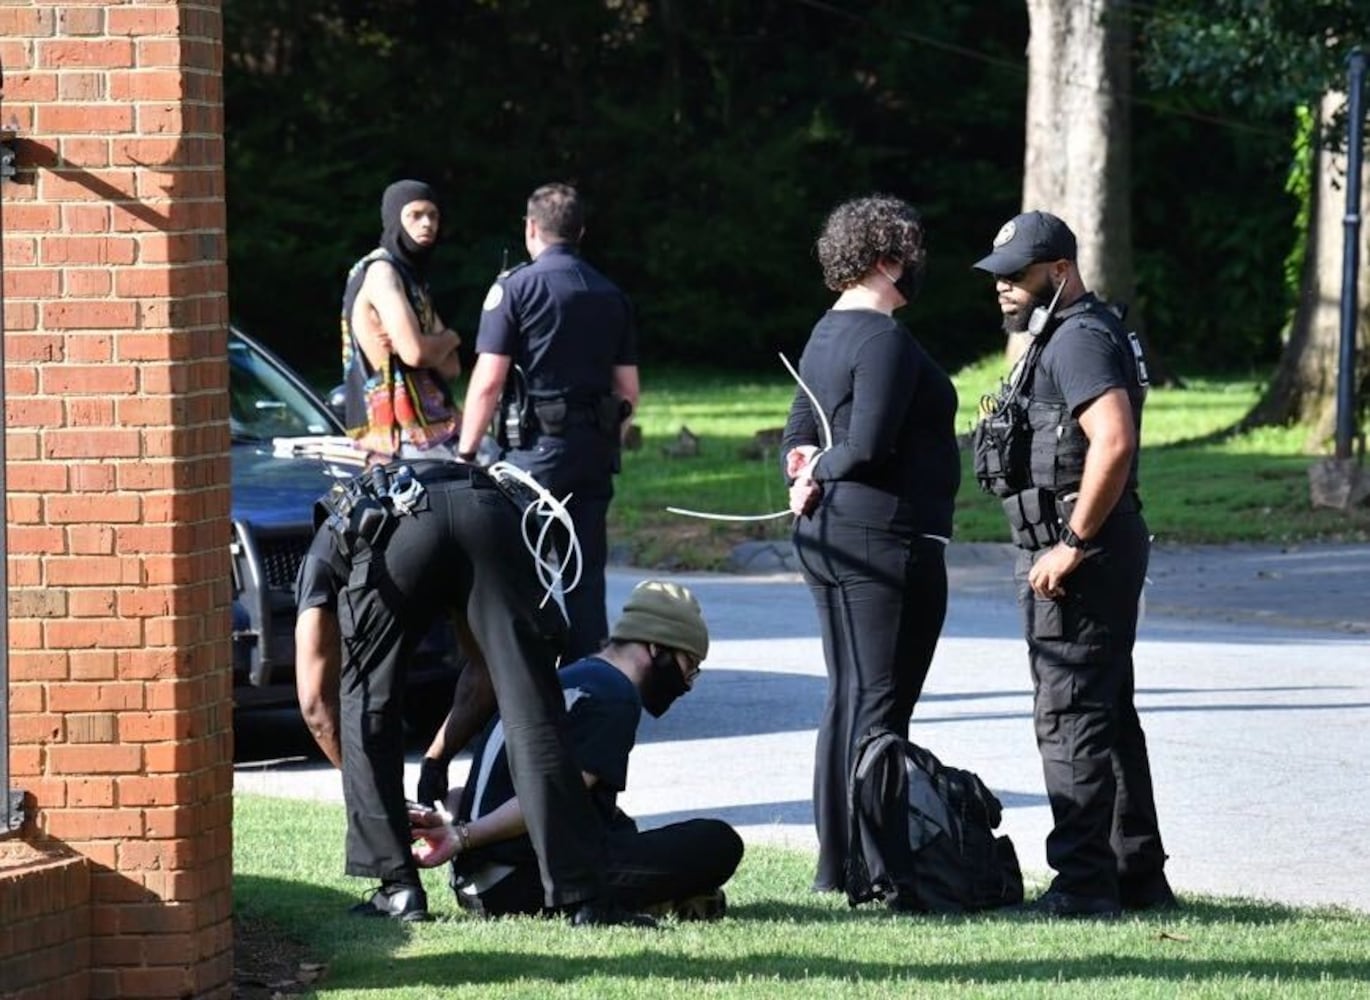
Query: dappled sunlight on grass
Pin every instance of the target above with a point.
(1197, 485)
(778, 940)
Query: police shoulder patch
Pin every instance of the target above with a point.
(493, 297)
(1005, 233)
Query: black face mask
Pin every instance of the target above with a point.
(909, 283)
(664, 683)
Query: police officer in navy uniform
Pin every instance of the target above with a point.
(1072, 502)
(557, 367)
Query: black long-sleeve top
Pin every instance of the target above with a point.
(893, 463)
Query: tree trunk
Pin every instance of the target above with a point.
(1078, 149)
(1304, 387)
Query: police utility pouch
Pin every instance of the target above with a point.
(551, 416)
(999, 444)
(610, 412)
(1032, 518)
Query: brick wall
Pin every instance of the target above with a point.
(117, 472)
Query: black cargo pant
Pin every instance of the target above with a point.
(579, 463)
(1094, 759)
(881, 598)
(461, 550)
(670, 863)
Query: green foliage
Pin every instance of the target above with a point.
(1299, 185)
(1267, 61)
(779, 940)
(1268, 56)
(1193, 477)
(711, 138)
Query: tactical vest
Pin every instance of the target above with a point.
(1031, 453)
(395, 405)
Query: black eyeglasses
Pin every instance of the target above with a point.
(1016, 278)
(689, 666)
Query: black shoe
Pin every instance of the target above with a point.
(598, 913)
(397, 900)
(1055, 903)
(1147, 892)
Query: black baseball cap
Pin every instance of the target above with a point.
(1026, 239)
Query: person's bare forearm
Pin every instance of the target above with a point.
(318, 659)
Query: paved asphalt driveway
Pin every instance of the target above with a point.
(1253, 678)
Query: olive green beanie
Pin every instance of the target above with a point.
(666, 614)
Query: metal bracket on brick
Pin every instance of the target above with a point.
(7, 155)
(14, 813)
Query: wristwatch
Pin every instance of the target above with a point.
(467, 456)
(1069, 539)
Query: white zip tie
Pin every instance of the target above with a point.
(822, 417)
(549, 510)
(727, 517)
(827, 437)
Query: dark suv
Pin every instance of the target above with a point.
(271, 410)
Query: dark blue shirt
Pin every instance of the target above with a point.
(603, 709)
(561, 321)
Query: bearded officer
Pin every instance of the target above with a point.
(1069, 487)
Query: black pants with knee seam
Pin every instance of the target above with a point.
(881, 598)
(462, 550)
(1094, 757)
(669, 863)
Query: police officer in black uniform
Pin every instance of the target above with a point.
(556, 367)
(418, 540)
(1059, 446)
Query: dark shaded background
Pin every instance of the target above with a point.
(710, 138)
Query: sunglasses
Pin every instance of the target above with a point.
(1016, 278)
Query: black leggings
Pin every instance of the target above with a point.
(461, 550)
(669, 863)
(881, 600)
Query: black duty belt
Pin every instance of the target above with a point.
(432, 471)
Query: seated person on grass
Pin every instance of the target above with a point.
(652, 657)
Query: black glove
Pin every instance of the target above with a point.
(432, 781)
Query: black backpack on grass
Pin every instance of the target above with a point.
(922, 834)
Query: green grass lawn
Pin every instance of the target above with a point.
(779, 940)
(1251, 487)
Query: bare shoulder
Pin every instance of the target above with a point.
(381, 274)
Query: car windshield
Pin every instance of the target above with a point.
(264, 402)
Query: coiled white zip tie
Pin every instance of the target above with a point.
(549, 510)
(827, 438)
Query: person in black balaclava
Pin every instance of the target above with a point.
(652, 658)
(398, 355)
(413, 250)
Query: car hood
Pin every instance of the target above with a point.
(273, 490)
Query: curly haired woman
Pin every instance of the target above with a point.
(874, 503)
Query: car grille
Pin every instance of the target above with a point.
(281, 558)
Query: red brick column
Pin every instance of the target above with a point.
(117, 437)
